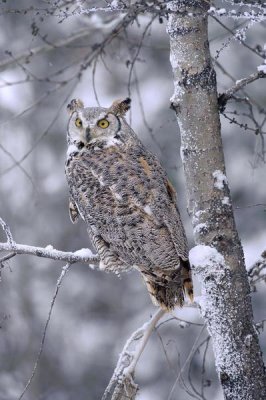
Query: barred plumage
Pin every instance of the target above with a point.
(124, 196)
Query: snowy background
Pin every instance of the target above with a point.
(96, 312)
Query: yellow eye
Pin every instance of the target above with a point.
(103, 123)
(78, 122)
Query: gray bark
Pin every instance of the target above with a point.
(227, 306)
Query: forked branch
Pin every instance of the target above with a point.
(223, 98)
(122, 385)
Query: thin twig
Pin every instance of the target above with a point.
(203, 369)
(7, 257)
(194, 348)
(10, 240)
(250, 206)
(134, 59)
(25, 55)
(233, 35)
(34, 104)
(16, 164)
(223, 98)
(181, 322)
(94, 83)
(40, 138)
(65, 269)
(171, 366)
(200, 394)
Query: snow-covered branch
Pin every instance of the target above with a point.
(242, 10)
(82, 255)
(6, 229)
(122, 385)
(223, 98)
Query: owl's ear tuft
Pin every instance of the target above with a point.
(74, 105)
(120, 107)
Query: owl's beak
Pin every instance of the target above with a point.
(88, 134)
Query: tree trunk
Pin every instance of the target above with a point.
(226, 303)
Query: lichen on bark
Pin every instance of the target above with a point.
(227, 306)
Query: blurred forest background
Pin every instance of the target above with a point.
(95, 312)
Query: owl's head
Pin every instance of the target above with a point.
(95, 124)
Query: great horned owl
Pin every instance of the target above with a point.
(122, 193)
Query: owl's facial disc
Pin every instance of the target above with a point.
(77, 128)
(93, 125)
(106, 126)
(86, 136)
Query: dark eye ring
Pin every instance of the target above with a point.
(103, 123)
(78, 122)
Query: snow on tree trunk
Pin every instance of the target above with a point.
(218, 260)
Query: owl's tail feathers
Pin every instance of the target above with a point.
(187, 280)
(167, 287)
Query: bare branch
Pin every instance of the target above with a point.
(237, 35)
(6, 258)
(195, 390)
(26, 55)
(16, 164)
(134, 59)
(223, 98)
(38, 140)
(10, 240)
(65, 269)
(181, 322)
(189, 358)
(250, 206)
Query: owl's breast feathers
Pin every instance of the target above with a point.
(129, 205)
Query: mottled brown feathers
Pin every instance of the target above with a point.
(120, 107)
(123, 195)
(74, 105)
(145, 165)
(169, 288)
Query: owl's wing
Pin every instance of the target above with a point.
(133, 186)
(161, 199)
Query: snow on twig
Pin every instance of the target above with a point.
(8, 233)
(240, 84)
(82, 255)
(122, 382)
(147, 330)
(49, 252)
